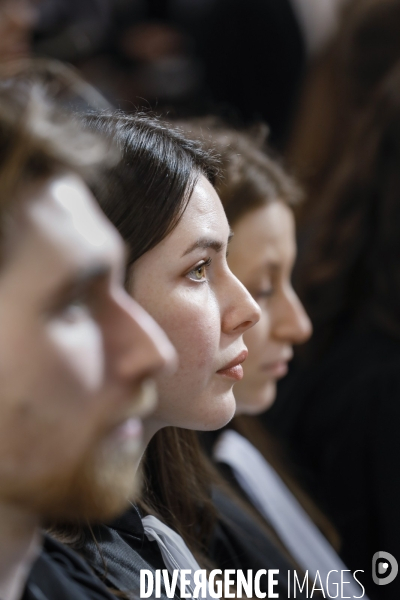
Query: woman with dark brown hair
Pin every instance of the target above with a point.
(343, 397)
(161, 200)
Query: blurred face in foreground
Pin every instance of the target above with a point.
(185, 284)
(261, 255)
(75, 352)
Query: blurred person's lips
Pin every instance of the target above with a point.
(234, 368)
(142, 402)
(16, 50)
(144, 399)
(129, 430)
(278, 367)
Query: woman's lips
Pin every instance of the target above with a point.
(234, 369)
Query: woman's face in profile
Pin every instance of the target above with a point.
(261, 255)
(186, 285)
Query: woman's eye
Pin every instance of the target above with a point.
(199, 272)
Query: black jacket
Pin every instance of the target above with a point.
(241, 544)
(60, 574)
(340, 418)
(122, 549)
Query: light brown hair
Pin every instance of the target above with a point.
(38, 140)
(250, 176)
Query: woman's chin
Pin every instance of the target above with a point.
(207, 412)
(221, 411)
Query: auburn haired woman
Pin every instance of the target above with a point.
(258, 197)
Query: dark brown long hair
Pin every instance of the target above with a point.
(349, 268)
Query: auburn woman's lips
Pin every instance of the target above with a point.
(234, 369)
(278, 368)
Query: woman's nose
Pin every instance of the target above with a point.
(292, 323)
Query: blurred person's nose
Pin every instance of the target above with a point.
(291, 324)
(139, 346)
(21, 14)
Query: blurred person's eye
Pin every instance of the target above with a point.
(263, 289)
(87, 293)
(263, 293)
(76, 307)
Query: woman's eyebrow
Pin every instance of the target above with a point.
(206, 242)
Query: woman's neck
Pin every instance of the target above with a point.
(19, 547)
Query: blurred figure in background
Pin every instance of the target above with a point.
(340, 408)
(340, 83)
(70, 30)
(17, 20)
(133, 51)
(253, 55)
(318, 20)
(242, 59)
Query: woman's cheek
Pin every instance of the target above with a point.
(193, 325)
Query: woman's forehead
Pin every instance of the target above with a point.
(204, 210)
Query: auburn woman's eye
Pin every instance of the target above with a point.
(200, 271)
(266, 293)
(262, 294)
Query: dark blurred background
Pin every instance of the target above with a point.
(242, 59)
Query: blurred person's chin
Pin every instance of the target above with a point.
(13, 64)
(13, 52)
(99, 489)
(101, 485)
